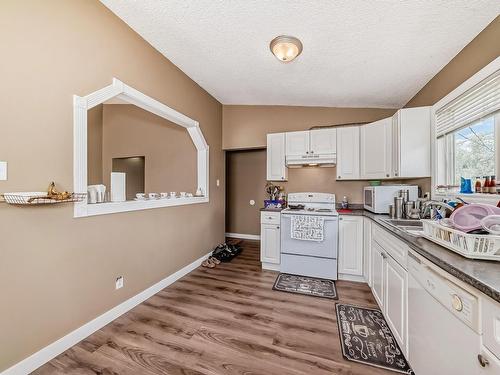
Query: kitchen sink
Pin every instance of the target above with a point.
(411, 226)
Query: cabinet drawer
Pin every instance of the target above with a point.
(397, 249)
(267, 217)
(491, 325)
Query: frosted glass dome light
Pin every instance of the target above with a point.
(285, 48)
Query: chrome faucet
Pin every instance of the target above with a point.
(430, 208)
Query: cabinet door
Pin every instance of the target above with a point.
(276, 169)
(396, 292)
(377, 273)
(323, 141)
(297, 143)
(414, 126)
(396, 152)
(351, 245)
(367, 242)
(376, 149)
(348, 153)
(270, 243)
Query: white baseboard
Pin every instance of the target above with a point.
(244, 236)
(270, 266)
(51, 351)
(358, 279)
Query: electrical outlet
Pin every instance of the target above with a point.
(3, 171)
(218, 182)
(119, 282)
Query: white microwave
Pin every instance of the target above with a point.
(378, 198)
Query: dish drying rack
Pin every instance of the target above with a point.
(472, 246)
(39, 198)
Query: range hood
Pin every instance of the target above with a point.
(321, 160)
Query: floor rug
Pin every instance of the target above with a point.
(366, 338)
(310, 286)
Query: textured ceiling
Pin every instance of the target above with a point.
(357, 53)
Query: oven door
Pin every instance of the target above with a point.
(324, 249)
(369, 198)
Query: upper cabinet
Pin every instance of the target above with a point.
(297, 143)
(411, 142)
(376, 150)
(348, 153)
(311, 147)
(323, 141)
(276, 168)
(397, 147)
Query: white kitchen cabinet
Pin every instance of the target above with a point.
(323, 141)
(270, 235)
(395, 286)
(276, 168)
(350, 261)
(367, 243)
(312, 142)
(390, 282)
(297, 143)
(376, 149)
(411, 140)
(377, 271)
(348, 153)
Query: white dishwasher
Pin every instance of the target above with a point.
(443, 323)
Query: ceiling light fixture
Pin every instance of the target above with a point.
(285, 48)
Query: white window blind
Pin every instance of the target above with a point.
(477, 102)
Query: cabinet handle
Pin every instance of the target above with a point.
(396, 173)
(338, 177)
(277, 227)
(383, 255)
(307, 152)
(387, 175)
(482, 361)
(312, 152)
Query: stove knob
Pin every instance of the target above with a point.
(457, 303)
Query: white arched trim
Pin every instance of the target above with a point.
(119, 90)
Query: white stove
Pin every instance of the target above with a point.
(311, 204)
(314, 255)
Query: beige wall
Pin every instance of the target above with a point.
(246, 126)
(94, 145)
(482, 50)
(168, 149)
(56, 272)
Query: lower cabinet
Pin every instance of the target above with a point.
(389, 284)
(367, 243)
(396, 287)
(270, 243)
(350, 257)
(270, 235)
(377, 272)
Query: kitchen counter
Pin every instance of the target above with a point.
(271, 209)
(483, 275)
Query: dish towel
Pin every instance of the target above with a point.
(307, 228)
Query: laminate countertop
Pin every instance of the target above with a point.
(484, 275)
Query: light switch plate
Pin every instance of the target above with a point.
(3, 171)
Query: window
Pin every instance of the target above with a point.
(474, 150)
(467, 127)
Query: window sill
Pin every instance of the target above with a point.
(84, 209)
(471, 198)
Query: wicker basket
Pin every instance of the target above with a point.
(473, 246)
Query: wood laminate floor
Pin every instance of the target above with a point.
(225, 320)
